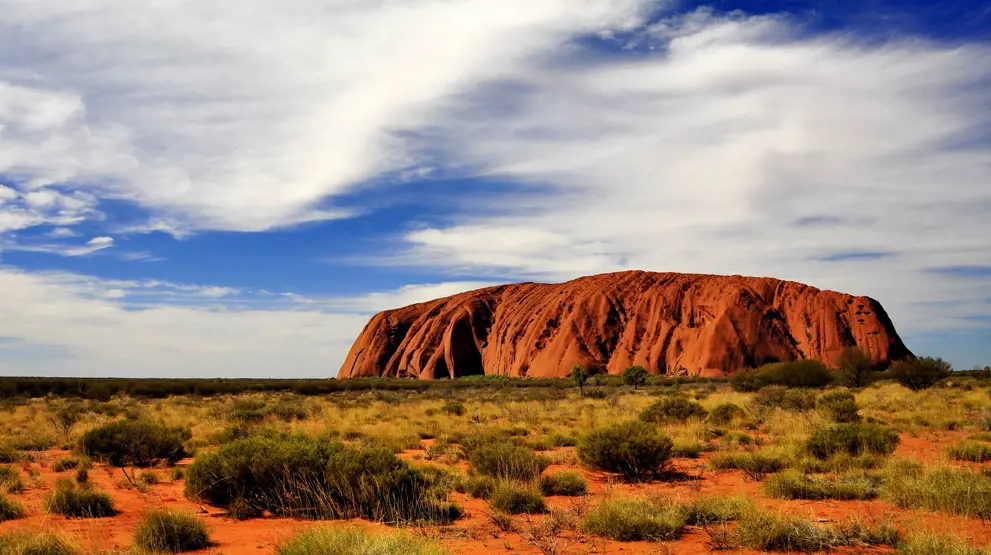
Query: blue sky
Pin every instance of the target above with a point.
(204, 190)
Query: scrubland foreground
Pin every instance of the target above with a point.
(755, 464)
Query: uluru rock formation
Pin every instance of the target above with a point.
(674, 324)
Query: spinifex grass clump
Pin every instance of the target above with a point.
(973, 451)
(634, 449)
(165, 531)
(355, 541)
(938, 489)
(135, 442)
(10, 509)
(566, 482)
(935, 544)
(711, 510)
(633, 519)
(516, 498)
(304, 477)
(10, 480)
(35, 543)
(795, 485)
(756, 464)
(852, 439)
(79, 502)
(839, 406)
(501, 458)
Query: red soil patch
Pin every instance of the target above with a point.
(476, 534)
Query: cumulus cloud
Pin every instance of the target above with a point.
(247, 118)
(738, 146)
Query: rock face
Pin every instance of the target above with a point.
(674, 324)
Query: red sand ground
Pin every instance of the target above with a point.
(475, 534)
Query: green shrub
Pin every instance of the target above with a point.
(777, 396)
(82, 476)
(799, 373)
(635, 376)
(934, 544)
(78, 502)
(35, 543)
(726, 413)
(10, 509)
(135, 442)
(634, 449)
(672, 410)
(355, 541)
(566, 482)
(10, 480)
(634, 519)
(301, 476)
(515, 498)
(64, 464)
(171, 531)
(855, 368)
(853, 439)
(921, 373)
(795, 485)
(711, 510)
(502, 459)
(287, 411)
(940, 489)
(839, 406)
(972, 451)
(767, 531)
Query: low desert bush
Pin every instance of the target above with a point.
(853, 439)
(839, 406)
(355, 541)
(135, 442)
(937, 544)
(634, 449)
(170, 531)
(799, 373)
(517, 498)
(454, 408)
(10, 509)
(973, 451)
(566, 482)
(672, 410)
(66, 463)
(921, 373)
(795, 485)
(938, 489)
(726, 413)
(776, 396)
(35, 543)
(302, 476)
(634, 519)
(503, 459)
(79, 502)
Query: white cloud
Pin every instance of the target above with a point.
(62, 233)
(738, 147)
(71, 325)
(248, 118)
(93, 245)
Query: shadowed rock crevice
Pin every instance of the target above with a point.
(675, 324)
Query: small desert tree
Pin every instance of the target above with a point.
(579, 375)
(921, 373)
(855, 367)
(635, 376)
